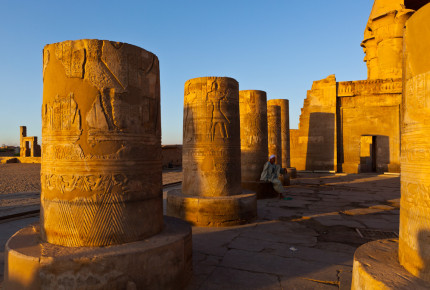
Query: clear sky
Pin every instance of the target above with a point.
(279, 46)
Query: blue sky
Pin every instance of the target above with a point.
(277, 46)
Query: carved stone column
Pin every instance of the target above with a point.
(405, 263)
(274, 132)
(253, 133)
(211, 191)
(101, 175)
(285, 130)
(284, 104)
(254, 146)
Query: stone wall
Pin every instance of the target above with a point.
(369, 108)
(313, 145)
(172, 155)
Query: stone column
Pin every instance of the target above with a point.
(285, 129)
(253, 133)
(274, 132)
(254, 145)
(285, 133)
(101, 175)
(405, 263)
(211, 192)
(414, 232)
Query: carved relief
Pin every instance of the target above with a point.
(211, 145)
(72, 59)
(69, 182)
(369, 87)
(96, 173)
(109, 114)
(62, 117)
(46, 57)
(219, 121)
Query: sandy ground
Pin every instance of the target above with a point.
(17, 177)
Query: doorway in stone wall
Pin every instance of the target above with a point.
(374, 153)
(367, 154)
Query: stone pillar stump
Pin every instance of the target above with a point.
(101, 220)
(211, 192)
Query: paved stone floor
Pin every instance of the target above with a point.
(304, 243)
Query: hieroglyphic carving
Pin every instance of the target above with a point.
(70, 182)
(98, 170)
(414, 226)
(73, 59)
(274, 132)
(211, 152)
(253, 133)
(61, 117)
(285, 130)
(369, 87)
(215, 96)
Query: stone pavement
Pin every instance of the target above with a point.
(304, 243)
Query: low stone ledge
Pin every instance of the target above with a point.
(163, 261)
(376, 266)
(217, 211)
(263, 189)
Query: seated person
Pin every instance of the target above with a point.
(271, 172)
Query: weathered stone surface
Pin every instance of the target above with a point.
(274, 132)
(376, 267)
(383, 36)
(216, 211)
(159, 262)
(101, 165)
(285, 129)
(211, 150)
(28, 145)
(211, 192)
(253, 133)
(414, 245)
(313, 145)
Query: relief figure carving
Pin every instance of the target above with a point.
(218, 120)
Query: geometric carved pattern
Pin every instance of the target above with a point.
(83, 220)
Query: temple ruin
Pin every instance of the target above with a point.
(28, 145)
(211, 192)
(354, 126)
(101, 218)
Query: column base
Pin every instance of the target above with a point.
(376, 266)
(162, 261)
(263, 189)
(292, 171)
(213, 211)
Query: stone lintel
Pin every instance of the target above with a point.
(369, 87)
(162, 261)
(376, 267)
(216, 211)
